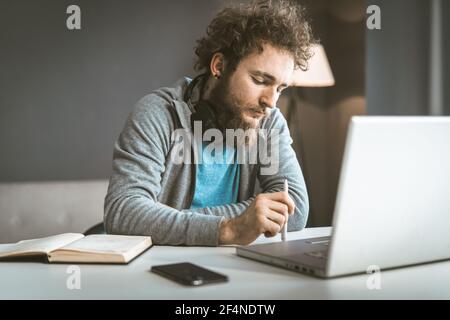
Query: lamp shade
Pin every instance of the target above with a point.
(319, 72)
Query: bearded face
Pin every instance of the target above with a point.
(232, 112)
(243, 95)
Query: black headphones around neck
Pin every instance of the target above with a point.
(202, 110)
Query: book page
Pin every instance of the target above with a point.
(40, 245)
(105, 243)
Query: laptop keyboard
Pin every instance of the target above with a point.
(317, 254)
(325, 242)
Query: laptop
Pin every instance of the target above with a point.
(392, 206)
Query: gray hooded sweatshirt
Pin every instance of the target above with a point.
(149, 194)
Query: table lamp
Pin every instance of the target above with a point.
(318, 74)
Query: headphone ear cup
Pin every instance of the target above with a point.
(205, 114)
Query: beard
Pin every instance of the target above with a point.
(230, 111)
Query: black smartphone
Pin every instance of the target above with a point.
(189, 274)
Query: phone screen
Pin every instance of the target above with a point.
(189, 274)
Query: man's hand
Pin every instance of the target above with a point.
(266, 214)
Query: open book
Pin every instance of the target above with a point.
(75, 247)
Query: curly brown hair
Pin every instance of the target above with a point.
(242, 29)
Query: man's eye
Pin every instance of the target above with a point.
(257, 81)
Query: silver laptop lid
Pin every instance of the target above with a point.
(393, 202)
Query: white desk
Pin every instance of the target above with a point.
(247, 279)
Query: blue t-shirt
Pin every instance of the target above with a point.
(216, 183)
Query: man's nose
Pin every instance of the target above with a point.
(269, 98)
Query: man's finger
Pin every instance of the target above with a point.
(278, 206)
(283, 197)
(272, 228)
(277, 217)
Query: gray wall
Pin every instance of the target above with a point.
(446, 45)
(398, 58)
(64, 95)
(397, 62)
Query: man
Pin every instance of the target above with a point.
(247, 58)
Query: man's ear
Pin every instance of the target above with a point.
(217, 65)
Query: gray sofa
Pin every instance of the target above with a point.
(38, 209)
